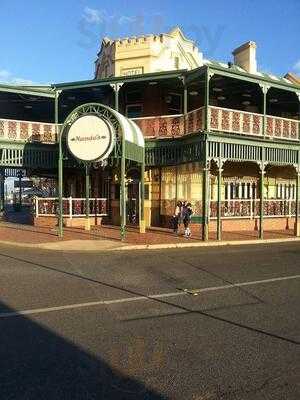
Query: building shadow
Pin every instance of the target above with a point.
(36, 363)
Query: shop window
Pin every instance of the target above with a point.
(285, 191)
(240, 190)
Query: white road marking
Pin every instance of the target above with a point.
(143, 298)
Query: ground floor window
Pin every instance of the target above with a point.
(240, 190)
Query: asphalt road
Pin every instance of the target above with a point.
(120, 325)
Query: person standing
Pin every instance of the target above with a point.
(188, 212)
(176, 217)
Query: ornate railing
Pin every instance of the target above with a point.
(195, 120)
(282, 128)
(72, 207)
(172, 125)
(242, 122)
(27, 131)
(161, 126)
(251, 208)
(235, 121)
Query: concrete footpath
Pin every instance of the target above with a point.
(108, 238)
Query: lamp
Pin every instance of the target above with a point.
(246, 103)
(193, 93)
(216, 89)
(221, 97)
(168, 99)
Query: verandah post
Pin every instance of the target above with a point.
(87, 197)
(219, 209)
(205, 193)
(59, 134)
(262, 195)
(265, 90)
(116, 87)
(297, 208)
(142, 197)
(2, 190)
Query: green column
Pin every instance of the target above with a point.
(2, 191)
(265, 91)
(59, 134)
(205, 201)
(219, 210)
(185, 105)
(123, 191)
(261, 204)
(87, 198)
(20, 176)
(206, 101)
(297, 214)
(116, 88)
(142, 198)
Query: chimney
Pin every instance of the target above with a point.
(245, 57)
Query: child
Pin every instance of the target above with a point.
(187, 219)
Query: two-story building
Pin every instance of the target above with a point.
(221, 135)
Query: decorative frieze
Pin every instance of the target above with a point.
(27, 131)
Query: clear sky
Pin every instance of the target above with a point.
(46, 41)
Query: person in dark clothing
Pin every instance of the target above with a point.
(187, 215)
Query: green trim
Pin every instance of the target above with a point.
(119, 79)
(232, 138)
(134, 152)
(30, 91)
(253, 78)
(197, 219)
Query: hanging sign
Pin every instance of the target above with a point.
(91, 138)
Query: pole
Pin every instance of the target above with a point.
(297, 221)
(219, 211)
(261, 208)
(116, 88)
(185, 105)
(142, 196)
(20, 175)
(205, 194)
(265, 91)
(206, 101)
(59, 134)
(2, 191)
(87, 198)
(123, 192)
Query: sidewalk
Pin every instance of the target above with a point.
(108, 237)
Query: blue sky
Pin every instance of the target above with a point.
(56, 41)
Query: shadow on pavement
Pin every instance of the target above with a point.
(36, 363)
(161, 301)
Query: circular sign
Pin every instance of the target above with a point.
(90, 138)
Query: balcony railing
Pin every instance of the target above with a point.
(72, 207)
(251, 208)
(235, 121)
(161, 126)
(242, 122)
(172, 125)
(27, 131)
(282, 128)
